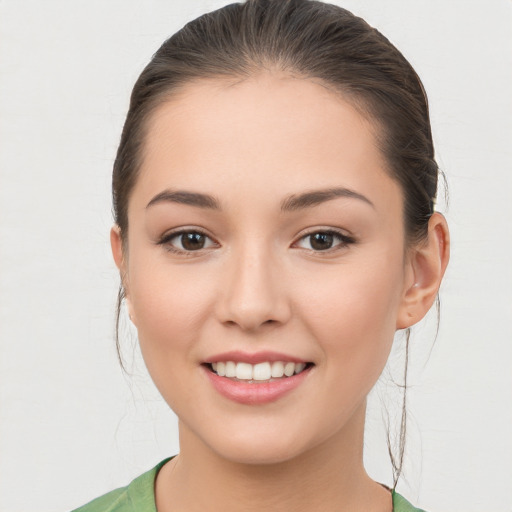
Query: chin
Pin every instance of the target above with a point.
(257, 454)
(261, 446)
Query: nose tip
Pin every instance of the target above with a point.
(253, 296)
(250, 316)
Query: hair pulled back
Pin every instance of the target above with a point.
(304, 38)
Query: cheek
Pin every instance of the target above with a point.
(170, 307)
(169, 303)
(353, 314)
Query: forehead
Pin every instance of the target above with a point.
(269, 135)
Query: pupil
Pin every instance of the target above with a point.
(321, 241)
(192, 241)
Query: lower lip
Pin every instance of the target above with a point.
(255, 393)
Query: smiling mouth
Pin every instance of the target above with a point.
(257, 373)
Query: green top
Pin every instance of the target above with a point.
(139, 496)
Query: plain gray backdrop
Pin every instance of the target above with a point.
(72, 426)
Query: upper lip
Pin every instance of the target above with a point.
(254, 358)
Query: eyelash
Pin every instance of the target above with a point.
(165, 240)
(344, 241)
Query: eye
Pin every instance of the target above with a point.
(324, 241)
(186, 241)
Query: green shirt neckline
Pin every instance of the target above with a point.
(139, 496)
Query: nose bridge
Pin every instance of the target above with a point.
(254, 295)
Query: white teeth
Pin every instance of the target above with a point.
(244, 371)
(230, 369)
(260, 372)
(299, 367)
(289, 369)
(277, 369)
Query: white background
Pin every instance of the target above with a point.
(71, 425)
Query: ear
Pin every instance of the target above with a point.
(116, 243)
(426, 264)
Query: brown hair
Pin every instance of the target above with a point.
(310, 39)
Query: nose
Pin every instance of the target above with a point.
(253, 291)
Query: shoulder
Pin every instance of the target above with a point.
(400, 504)
(138, 496)
(116, 500)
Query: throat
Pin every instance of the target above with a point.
(327, 478)
(260, 489)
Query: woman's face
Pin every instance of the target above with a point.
(266, 237)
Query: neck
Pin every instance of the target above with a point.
(329, 477)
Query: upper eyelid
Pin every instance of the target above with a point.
(166, 238)
(181, 230)
(324, 229)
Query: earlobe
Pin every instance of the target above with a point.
(426, 266)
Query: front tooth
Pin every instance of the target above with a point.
(230, 369)
(261, 371)
(244, 371)
(221, 369)
(289, 369)
(299, 367)
(277, 369)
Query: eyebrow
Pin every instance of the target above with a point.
(316, 197)
(184, 197)
(290, 204)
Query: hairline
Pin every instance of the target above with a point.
(233, 78)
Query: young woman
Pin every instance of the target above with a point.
(274, 198)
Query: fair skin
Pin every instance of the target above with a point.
(326, 280)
